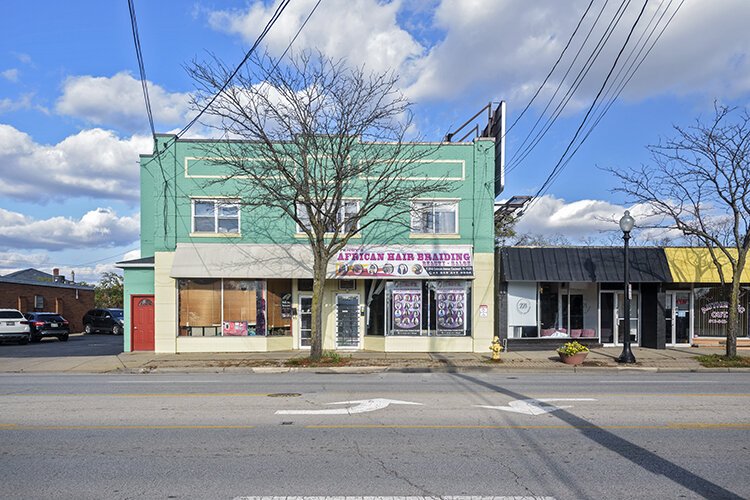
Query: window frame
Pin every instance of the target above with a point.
(434, 202)
(217, 204)
(340, 217)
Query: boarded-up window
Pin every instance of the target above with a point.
(279, 307)
(243, 301)
(200, 307)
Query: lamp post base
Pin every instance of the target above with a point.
(627, 355)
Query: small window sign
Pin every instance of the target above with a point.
(347, 285)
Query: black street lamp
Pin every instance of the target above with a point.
(626, 224)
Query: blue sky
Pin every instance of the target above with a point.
(72, 119)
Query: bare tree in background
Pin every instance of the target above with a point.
(314, 134)
(699, 185)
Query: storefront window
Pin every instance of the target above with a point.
(244, 308)
(712, 312)
(562, 309)
(428, 308)
(375, 307)
(234, 307)
(199, 307)
(279, 307)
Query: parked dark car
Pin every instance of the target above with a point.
(103, 320)
(47, 324)
(14, 326)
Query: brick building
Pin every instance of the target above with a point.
(34, 290)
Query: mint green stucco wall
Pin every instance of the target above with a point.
(137, 282)
(164, 224)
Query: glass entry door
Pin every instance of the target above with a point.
(677, 316)
(305, 321)
(612, 318)
(347, 321)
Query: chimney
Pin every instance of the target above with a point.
(73, 276)
(55, 272)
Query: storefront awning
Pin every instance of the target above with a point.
(585, 264)
(221, 260)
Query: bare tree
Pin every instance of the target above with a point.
(318, 142)
(699, 184)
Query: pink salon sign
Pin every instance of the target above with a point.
(411, 263)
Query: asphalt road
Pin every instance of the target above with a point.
(625, 435)
(97, 344)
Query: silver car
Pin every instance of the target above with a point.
(14, 326)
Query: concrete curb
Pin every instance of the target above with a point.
(366, 370)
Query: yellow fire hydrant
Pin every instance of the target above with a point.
(496, 347)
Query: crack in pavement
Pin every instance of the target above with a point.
(390, 471)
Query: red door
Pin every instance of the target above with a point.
(142, 322)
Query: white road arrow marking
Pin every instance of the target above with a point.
(362, 406)
(534, 406)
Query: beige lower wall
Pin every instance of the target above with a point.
(428, 344)
(165, 304)
(483, 293)
(374, 343)
(233, 344)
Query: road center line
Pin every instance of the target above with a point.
(149, 395)
(669, 426)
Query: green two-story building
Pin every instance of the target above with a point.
(218, 276)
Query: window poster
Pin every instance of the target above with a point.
(234, 329)
(407, 307)
(451, 310)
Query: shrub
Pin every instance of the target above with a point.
(571, 348)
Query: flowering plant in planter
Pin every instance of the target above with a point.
(572, 348)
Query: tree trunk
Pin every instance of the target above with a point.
(319, 281)
(733, 326)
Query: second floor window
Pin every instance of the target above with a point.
(216, 216)
(434, 217)
(344, 218)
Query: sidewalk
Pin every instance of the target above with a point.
(601, 359)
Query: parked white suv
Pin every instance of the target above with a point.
(14, 326)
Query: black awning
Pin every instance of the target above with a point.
(583, 264)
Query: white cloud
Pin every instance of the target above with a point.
(589, 220)
(93, 163)
(362, 31)
(505, 49)
(87, 274)
(101, 227)
(117, 102)
(10, 74)
(24, 58)
(15, 261)
(24, 102)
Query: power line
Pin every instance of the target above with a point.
(627, 77)
(81, 264)
(554, 66)
(577, 81)
(558, 166)
(141, 66)
(282, 6)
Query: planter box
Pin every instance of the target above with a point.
(572, 359)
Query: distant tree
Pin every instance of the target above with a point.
(315, 134)
(541, 240)
(109, 291)
(699, 185)
(505, 228)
